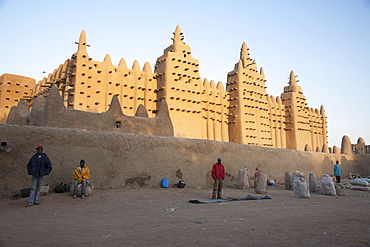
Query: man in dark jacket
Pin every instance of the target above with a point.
(38, 166)
(218, 175)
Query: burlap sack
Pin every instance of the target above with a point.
(242, 181)
(261, 184)
(313, 182)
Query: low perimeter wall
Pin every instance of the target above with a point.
(119, 160)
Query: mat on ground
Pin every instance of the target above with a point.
(248, 197)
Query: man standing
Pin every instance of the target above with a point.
(38, 166)
(337, 172)
(218, 175)
(81, 174)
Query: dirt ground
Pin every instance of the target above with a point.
(164, 217)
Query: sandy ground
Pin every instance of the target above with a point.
(164, 217)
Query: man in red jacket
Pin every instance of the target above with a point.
(218, 175)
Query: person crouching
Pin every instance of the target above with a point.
(81, 174)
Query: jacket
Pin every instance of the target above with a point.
(39, 166)
(337, 170)
(218, 171)
(81, 176)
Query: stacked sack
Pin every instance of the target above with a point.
(360, 184)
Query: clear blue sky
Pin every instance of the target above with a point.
(325, 42)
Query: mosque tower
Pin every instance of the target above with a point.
(177, 75)
(249, 111)
(297, 116)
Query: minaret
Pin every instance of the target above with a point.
(82, 43)
(77, 87)
(324, 125)
(249, 114)
(297, 115)
(178, 82)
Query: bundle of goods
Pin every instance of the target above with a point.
(300, 185)
(261, 184)
(313, 182)
(288, 180)
(340, 189)
(242, 181)
(327, 185)
(44, 190)
(360, 184)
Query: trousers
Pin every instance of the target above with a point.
(75, 185)
(217, 188)
(36, 184)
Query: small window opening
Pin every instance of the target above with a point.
(118, 124)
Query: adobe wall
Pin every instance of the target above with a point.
(52, 112)
(120, 160)
(12, 89)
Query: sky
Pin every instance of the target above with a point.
(325, 42)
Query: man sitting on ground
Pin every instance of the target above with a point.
(81, 174)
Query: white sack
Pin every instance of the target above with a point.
(327, 185)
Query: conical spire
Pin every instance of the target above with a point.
(322, 110)
(107, 59)
(212, 84)
(136, 66)
(82, 42)
(220, 86)
(254, 64)
(292, 80)
(54, 101)
(141, 111)
(115, 107)
(244, 54)
(206, 83)
(273, 99)
(178, 36)
(122, 63)
(147, 68)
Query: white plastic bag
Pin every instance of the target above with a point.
(327, 185)
(300, 186)
(242, 181)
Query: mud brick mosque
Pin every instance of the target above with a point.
(192, 107)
